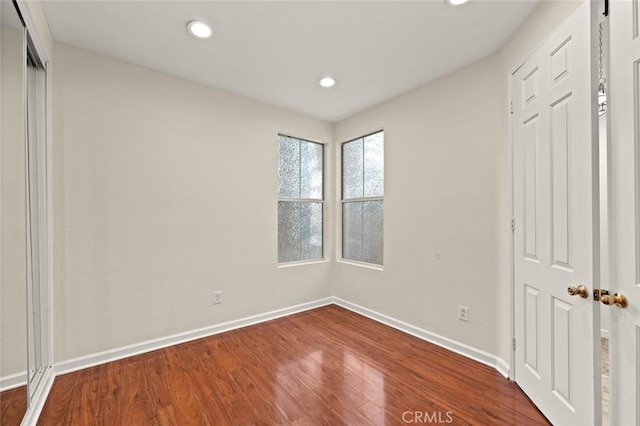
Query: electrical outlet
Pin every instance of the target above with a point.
(463, 313)
(217, 297)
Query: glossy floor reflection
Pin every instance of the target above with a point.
(326, 366)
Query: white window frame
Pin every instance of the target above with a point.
(340, 202)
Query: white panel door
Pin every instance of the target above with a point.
(624, 210)
(554, 194)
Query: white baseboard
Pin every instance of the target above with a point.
(64, 367)
(13, 381)
(503, 367)
(37, 404)
(92, 360)
(460, 348)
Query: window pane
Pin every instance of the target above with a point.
(288, 167)
(352, 169)
(311, 230)
(374, 165)
(311, 170)
(288, 231)
(372, 243)
(352, 231)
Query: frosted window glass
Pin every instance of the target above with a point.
(311, 230)
(352, 169)
(288, 231)
(299, 231)
(311, 165)
(374, 165)
(372, 217)
(288, 167)
(352, 231)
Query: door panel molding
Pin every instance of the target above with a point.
(531, 329)
(560, 189)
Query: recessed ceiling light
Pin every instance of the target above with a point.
(327, 82)
(455, 2)
(199, 29)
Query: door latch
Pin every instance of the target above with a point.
(599, 292)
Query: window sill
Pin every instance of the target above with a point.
(361, 264)
(302, 263)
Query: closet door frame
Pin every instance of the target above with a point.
(38, 226)
(40, 47)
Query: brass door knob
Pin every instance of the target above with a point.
(617, 299)
(580, 290)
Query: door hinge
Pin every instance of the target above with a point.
(511, 107)
(513, 224)
(513, 343)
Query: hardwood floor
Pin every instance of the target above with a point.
(327, 366)
(13, 405)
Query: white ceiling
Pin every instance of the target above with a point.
(275, 51)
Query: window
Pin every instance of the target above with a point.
(300, 199)
(363, 198)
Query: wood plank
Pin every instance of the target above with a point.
(13, 405)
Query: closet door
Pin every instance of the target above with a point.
(37, 225)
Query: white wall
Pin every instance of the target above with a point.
(447, 202)
(13, 286)
(441, 200)
(165, 191)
